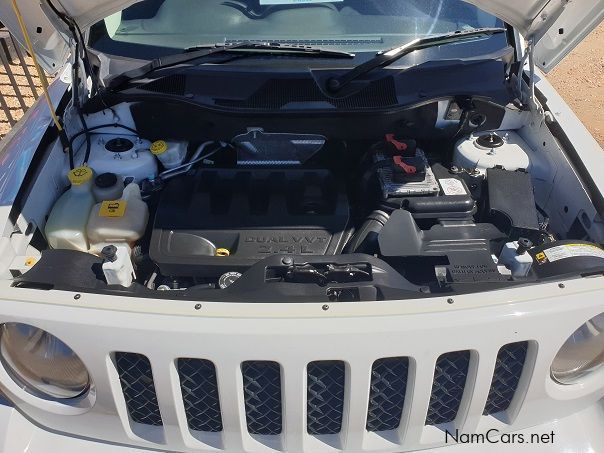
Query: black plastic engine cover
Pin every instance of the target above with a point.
(253, 213)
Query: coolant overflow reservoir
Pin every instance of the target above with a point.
(66, 224)
(118, 221)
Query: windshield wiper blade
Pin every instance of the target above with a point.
(387, 57)
(203, 50)
(278, 48)
(170, 60)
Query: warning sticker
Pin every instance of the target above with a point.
(115, 208)
(452, 186)
(562, 252)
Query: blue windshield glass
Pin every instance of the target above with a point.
(166, 26)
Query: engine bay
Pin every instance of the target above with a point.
(302, 216)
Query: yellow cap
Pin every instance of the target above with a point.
(159, 147)
(80, 175)
(223, 252)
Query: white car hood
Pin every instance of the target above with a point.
(556, 26)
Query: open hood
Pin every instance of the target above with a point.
(556, 26)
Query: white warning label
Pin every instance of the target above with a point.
(452, 186)
(562, 252)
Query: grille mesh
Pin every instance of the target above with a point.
(325, 391)
(136, 379)
(262, 393)
(387, 395)
(200, 394)
(508, 369)
(325, 397)
(449, 383)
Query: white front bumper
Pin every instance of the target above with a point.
(294, 335)
(579, 433)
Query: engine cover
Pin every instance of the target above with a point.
(218, 221)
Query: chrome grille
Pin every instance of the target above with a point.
(200, 394)
(448, 387)
(508, 369)
(262, 392)
(325, 397)
(387, 397)
(138, 387)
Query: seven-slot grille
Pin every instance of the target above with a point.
(326, 391)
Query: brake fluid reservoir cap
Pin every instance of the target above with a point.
(80, 175)
(159, 147)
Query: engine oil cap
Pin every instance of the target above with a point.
(228, 279)
(158, 147)
(80, 175)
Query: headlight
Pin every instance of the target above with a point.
(41, 363)
(583, 352)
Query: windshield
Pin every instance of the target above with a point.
(153, 28)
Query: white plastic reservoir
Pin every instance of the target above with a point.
(66, 224)
(170, 153)
(492, 149)
(118, 221)
(126, 156)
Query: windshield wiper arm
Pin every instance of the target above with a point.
(278, 48)
(204, 50)
(387, 57)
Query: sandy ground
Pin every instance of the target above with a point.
(11, 95)
(579, 79)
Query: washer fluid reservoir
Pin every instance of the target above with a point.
(491, 149)
(66, 224)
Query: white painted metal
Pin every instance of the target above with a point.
(138, 163)
(558, 190)
(293, 335)
(512, 155)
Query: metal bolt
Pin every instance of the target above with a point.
(325, 307)
(450, 301)
(197, 306)
(77, 296)
(287, 261)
